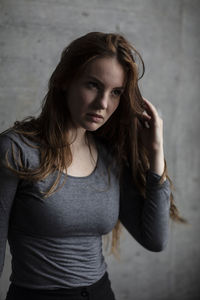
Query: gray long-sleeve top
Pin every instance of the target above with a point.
(57, 242)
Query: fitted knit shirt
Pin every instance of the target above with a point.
(56, 242)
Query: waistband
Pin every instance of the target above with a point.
(63, 291)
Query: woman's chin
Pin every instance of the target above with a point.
(92, 127)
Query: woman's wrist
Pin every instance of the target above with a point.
(157, 163)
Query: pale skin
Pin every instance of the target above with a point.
(97, 91)
(152, 138)
(104, 99)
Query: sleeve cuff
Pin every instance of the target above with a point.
(153, 179)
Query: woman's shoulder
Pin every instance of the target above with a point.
(12, 140)
(9, 136)
(8, 144)
(6, 138)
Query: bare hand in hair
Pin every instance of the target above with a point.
(151, 133)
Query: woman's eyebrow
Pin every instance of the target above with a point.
(101, 83)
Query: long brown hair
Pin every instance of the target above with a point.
(120, 131)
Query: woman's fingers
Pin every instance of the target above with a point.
(151, 110)
(149, 116)
(145, 115)
(144, 118)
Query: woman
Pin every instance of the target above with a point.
(91, 161)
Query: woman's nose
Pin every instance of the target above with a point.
(103, 100)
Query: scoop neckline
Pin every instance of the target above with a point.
(94, 170)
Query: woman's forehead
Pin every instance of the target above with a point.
(106, 69)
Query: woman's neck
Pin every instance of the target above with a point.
(80, 139)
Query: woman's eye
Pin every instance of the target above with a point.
(92, 84)
(117, 93)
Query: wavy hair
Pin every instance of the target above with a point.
(50, 128)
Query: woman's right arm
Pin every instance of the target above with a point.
(8, 187)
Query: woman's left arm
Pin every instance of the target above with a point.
(147, 220)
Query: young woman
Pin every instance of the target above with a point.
(91, 161)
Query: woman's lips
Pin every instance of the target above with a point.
(95, 118)
(96, 115)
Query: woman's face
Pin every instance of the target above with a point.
(96, 91)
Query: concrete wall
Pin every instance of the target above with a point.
(32, 35)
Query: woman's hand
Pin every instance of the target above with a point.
(151, 133)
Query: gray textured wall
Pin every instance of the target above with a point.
(32, 35)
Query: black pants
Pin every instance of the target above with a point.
(100, 290)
